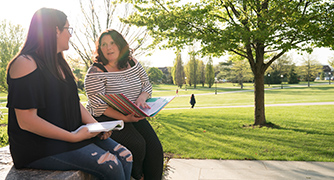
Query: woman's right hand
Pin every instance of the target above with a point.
(132, 118)
(112, 113)
(83, 134)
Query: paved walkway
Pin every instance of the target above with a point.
(194, 169)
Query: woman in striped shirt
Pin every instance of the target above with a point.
(115, 71)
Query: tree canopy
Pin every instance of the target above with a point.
(248, 28)
(234, 25)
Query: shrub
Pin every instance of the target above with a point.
(3, 136)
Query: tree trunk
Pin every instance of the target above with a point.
(259, 98)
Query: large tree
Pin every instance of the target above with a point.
(248, 28)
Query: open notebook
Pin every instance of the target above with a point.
(121, 103)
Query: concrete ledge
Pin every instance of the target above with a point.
(35, 174)
(8, 171)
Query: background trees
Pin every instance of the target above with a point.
(155, 75)
(240, 72)
(292, 75)
(201, 72)
(178, 71)
(249, 29)
(11, 39)
(310, 68)
(224, 69)
(331, 61)
(281, 67)
(191, 70)
(209, 73)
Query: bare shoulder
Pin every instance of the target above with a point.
(94, 69)
(22, 66)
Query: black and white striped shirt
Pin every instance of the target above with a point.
(131, 82)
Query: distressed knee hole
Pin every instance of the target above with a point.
(124, 153)
(94, 153)
(129, 159)
(107, 157)
(118, 147)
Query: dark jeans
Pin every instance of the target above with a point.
(140, 138)
(105, 159)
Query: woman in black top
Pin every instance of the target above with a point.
(44, 108)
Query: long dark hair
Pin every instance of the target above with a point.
(123, 46)
(41, 42)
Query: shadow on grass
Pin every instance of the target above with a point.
(215, 136)
(268, 125)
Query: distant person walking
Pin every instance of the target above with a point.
(192, 100)
(177, 91)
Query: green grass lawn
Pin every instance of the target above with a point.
(303, 133)
(322, 93)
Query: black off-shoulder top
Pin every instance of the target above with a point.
(56, 101)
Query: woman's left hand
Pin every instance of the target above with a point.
(105, 135)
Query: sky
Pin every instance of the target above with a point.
(21, 12)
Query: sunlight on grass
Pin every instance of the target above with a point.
(304, 133)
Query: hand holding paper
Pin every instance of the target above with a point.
(103, 126)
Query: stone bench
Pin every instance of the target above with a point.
(34, 174)
(8, 171)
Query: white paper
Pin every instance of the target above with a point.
(103, 126)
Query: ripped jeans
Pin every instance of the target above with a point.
(105, 159)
